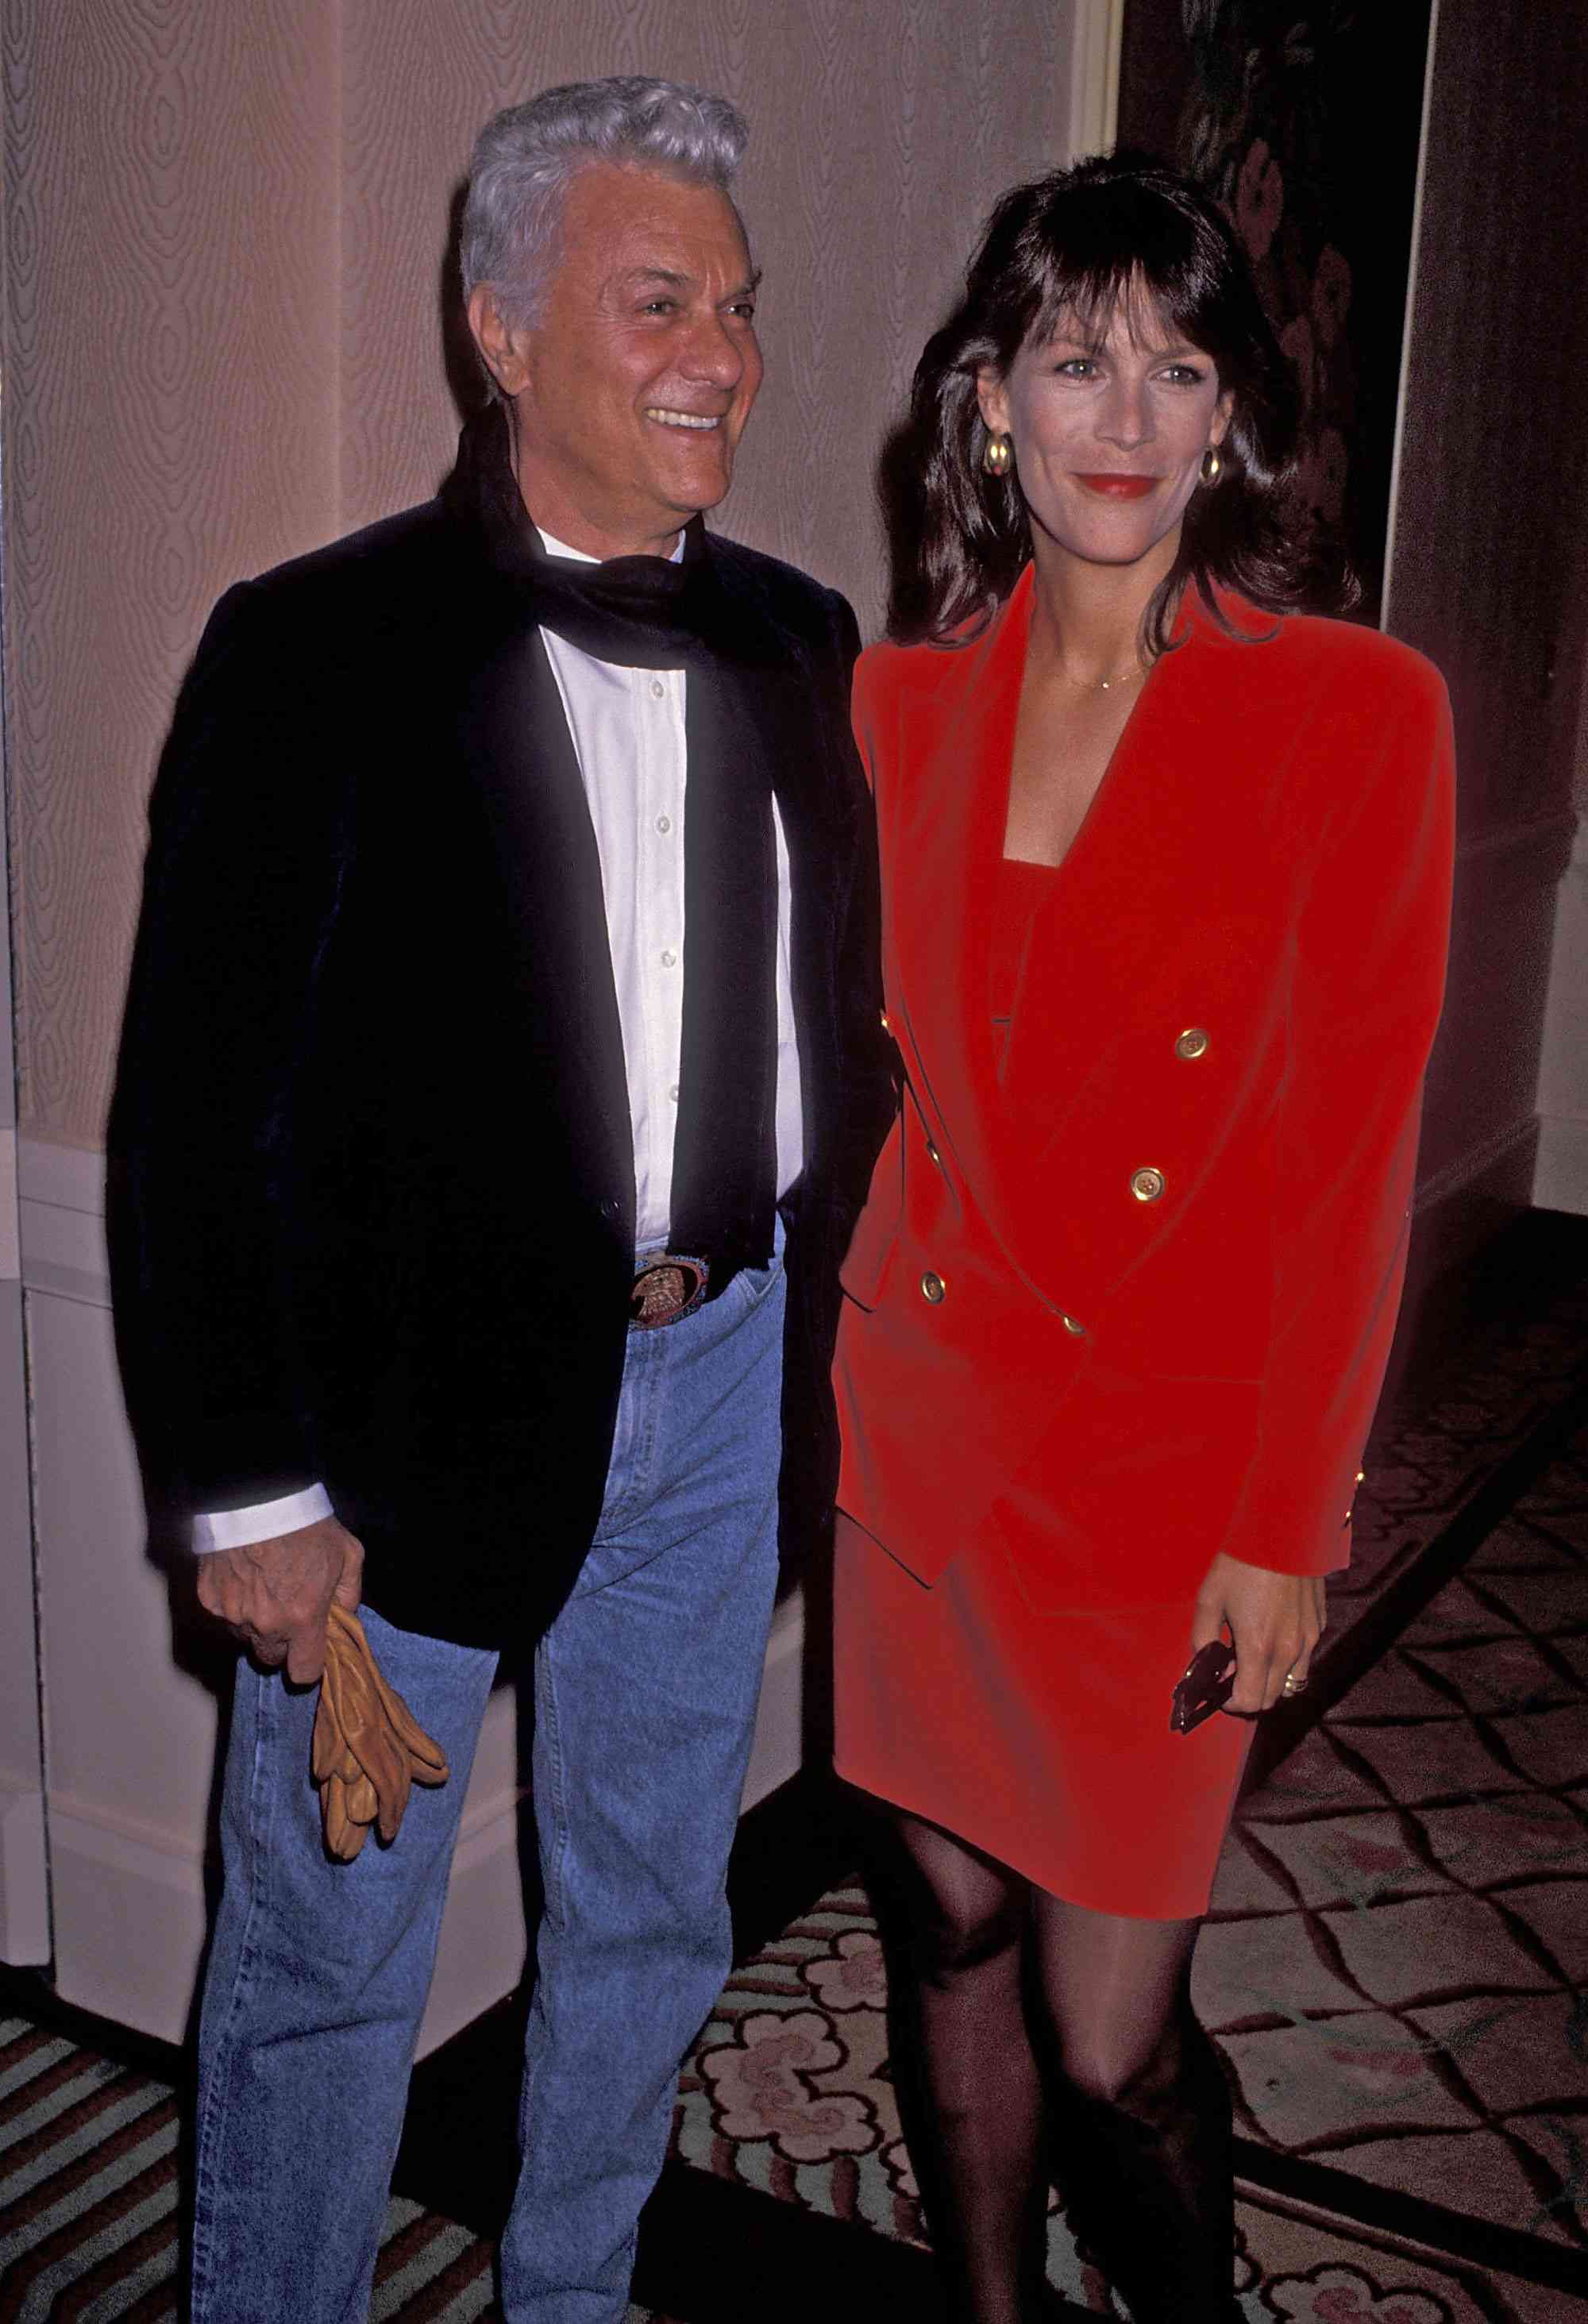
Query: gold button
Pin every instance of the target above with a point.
(1146, 1186)
(932, 1153)
(1192, 1043)
(887, 1028)
(1361, 1476)
(932, 1287)
(1070, 1324)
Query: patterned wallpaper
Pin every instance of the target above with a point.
(226, 234)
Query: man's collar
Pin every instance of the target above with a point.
(648, 611)
(555, 548)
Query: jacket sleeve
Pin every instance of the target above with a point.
(243, 871)
(870, 1098)
(1368, 980)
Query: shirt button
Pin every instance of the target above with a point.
(657, 689)
(1146, 1186)
(673, 1093)
(664, 823)
(932, 1287)
(670, 959)
(1192, 1043)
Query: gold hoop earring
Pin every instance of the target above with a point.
(1212, 467)
(998, 457)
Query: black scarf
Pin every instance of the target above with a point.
(649, 612)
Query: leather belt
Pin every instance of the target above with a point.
(667, 1286)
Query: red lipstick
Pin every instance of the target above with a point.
(1117, 488)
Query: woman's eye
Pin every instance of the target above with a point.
(1183, 374)
(1075, 367)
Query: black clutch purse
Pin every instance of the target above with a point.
(1206, 1687)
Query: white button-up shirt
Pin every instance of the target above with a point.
(627, 727)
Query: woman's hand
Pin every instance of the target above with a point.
(1275, 1620)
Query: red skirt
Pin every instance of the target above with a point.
(1043, 1741)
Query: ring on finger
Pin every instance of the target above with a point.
(1293, 1685)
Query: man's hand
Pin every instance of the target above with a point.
(276, 1595)
(1275, 1620)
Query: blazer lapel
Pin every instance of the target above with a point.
(1153, 865)
(1153, 927)
(1119, 900)
(955, 750)
(518, 746)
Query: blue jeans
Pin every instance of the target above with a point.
(645, 1695)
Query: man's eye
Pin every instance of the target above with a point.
(659, 306)
(744, 309)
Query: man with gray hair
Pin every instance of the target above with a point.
(500, 1079)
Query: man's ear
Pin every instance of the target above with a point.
(504, 350)
(994, 398)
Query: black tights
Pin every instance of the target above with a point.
(1035, 2038)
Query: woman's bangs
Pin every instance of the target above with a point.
(1124, 253)
(1088, 301)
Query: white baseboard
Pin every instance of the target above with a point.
(72, 1177)
(779, 1733)
(481, 1953)
(24, 1895)
(61, 1207)
(130, 1899)
(1478, 1162)
(1560, 1179)
(131, 1922)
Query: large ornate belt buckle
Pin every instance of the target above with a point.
(666, 1287)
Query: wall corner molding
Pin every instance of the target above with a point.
(10, 1229)
(1094, 88)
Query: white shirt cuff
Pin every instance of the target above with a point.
(234, 1528)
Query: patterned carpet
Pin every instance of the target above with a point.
(1394, 1971)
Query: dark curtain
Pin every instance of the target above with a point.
(1304, 120)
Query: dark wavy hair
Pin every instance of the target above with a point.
(1077, 243)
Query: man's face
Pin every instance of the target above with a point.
(633, 386)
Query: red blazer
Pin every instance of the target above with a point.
(1125, 1300)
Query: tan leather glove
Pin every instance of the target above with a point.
(368, 1746)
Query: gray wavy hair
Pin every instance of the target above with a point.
(525, 158)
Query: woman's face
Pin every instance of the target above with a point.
(1109, 432)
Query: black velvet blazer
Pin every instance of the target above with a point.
(371, 1187)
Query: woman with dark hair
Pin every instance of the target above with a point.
(1166, 877)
